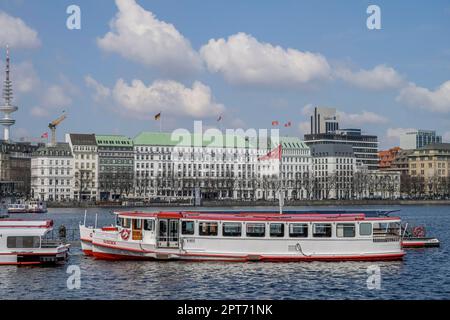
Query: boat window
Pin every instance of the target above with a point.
(187, 227)
(149, 225)
(277, 230)
(207, 228)
(23, 242)
(392, 228)
(322, 230)
(137, 224)
(365, 229)
(119, 221)
(298, 230)
(256, 230)
(126, 223)
(232, 229)
(345, 230)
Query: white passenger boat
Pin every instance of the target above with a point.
(245, 237)
(28, 207)
(23, 242)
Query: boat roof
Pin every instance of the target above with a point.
(25, 224)
(253, 216)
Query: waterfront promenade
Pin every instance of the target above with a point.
(260, 203)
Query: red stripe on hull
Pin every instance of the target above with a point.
(117, 257)
(88, 252)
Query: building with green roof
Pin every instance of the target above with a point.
(115, 166)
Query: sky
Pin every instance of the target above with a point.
(248, 62)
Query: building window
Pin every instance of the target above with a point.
(232, 229)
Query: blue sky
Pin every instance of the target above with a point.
(252, 62)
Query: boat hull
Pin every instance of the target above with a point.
(420, 243)
(27, 259)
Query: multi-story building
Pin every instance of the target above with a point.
(324, 120)
(376, 184)
(418, 139)
(115, 166)
(15, 168)
(166, 168)
(52, 177)
(365, 147)
(333, 168)
(429, 167)
(387, 157)
(85, 153)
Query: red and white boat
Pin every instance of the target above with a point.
(247, 236)
(23, 242)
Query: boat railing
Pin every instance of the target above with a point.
(386, 235)
(70, 235)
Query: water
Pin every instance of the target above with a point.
(424, 273)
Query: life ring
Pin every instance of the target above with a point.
(419, 232)
(125, 234)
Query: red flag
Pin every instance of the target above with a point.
(289, 124)
(272, 155)
(275, 123)
(44, 136)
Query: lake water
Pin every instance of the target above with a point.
(423, 274)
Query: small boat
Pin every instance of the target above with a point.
(23, 242)
(240, 237)
(28, 207)
(415, 237)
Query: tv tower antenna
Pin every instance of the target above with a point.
(7, 108)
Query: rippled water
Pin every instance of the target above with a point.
(424, 273)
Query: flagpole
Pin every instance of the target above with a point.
(281, 193)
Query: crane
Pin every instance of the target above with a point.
(52, 126)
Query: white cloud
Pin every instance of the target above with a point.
(136, 34)
(435, 101)
(242, 59)
(101, 92)
(379, 78)
(56, 96)
(15, 32)
(358, 119)
(170, 97)
(395, 133)
(308, 110)
(39, 112)
(304, 127)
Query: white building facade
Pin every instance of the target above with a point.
(332, 171)
(85, 166)
(52, 176)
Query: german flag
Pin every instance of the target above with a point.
(158, 117)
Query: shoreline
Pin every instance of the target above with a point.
(227, 203)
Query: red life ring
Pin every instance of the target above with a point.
(125, 234)
(419, 232)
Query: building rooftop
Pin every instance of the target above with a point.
(188, 140)
(58, 150)
(437, 146)
(113, 141)
(83, 139)
(292, 143)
